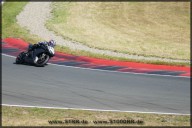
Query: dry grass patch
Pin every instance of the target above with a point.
(16, 116)
(160, 29)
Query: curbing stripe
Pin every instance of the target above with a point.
(110, 71)
(13, 46)
(22, 44)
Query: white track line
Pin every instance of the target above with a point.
(28, 106)
(109, 71)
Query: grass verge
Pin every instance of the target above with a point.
(17, 116)
(103, 56)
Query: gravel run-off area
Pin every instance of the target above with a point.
(34, 16)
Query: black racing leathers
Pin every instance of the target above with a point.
(33, 51)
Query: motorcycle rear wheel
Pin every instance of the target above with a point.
(19, 59)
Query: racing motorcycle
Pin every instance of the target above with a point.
(43, 52)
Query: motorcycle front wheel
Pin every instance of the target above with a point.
(42, 60)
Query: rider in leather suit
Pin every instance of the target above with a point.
(35, 47)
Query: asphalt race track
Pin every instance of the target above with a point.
(60, 86)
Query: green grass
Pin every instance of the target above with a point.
(159, 29)
(9, 26)
(16, 116)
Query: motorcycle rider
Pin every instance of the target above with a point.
(34, 47)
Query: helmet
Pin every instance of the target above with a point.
(52, 43)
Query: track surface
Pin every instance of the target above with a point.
(59, 86)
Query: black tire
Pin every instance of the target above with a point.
(41, 63)
(19, 59)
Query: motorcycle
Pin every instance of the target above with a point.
(43, 52)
